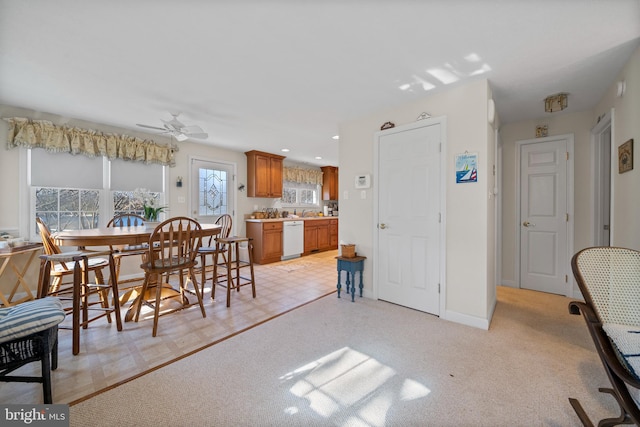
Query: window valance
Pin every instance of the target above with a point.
(44, 134)
(302, 176)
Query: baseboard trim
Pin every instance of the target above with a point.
(468, 320)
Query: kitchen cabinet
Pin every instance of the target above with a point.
(267, 241)
(329, 183)
(264, 174)
(333, 234)
(316, 236)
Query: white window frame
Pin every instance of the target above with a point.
(301, 187)
(106, 209)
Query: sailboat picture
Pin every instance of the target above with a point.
(466, 168)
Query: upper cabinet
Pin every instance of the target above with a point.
(329, 183)
(264, 174)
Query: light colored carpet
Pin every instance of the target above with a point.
(371, 363)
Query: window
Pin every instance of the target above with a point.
(67, 209)
(300, 195)
(106, 188)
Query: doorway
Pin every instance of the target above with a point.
(409, 235)
(601, 180)
(545, 213)
(212, 191)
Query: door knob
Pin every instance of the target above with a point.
(528, 224)
(382, 226)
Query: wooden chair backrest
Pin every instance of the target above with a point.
(225, 221)
(174, 243)
(50, 248)
(126, 220)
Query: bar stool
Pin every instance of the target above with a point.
(82, 289)
(234, 279)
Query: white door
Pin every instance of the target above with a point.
(544, 216)
(212, 190)
(408, 253)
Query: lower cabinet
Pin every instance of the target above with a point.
(317, 235)
(267, 241)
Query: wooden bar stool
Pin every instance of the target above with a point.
(77, 263)
(234, 278)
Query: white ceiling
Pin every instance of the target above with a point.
(283, 74)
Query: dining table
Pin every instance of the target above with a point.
(134, 236)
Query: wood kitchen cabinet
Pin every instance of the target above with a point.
(264, 174)
(316, 236)
(333, 234)
(329, 183)
(267, 241)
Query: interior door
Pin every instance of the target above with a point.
(212, 190)
(408, 253)
(544, 216)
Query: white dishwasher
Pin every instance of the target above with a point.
(292, 239)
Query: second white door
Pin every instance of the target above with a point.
(544, 215)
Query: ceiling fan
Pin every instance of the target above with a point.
(179, 130)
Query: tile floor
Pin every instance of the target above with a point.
(108, 357)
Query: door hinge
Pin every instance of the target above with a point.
(566, 217)
(567, 155)
(438, 287)
(440, 148)
(566, 279)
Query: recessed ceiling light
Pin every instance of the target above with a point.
(335, 137)
(318, 158)
(285, 150)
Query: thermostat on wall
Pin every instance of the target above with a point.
(363, 181)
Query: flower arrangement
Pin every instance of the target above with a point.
(148, 200)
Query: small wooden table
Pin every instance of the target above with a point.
(7, 257)
(351, 266)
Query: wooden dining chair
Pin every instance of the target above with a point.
(212, 248)
(123, 251)
(173, 247)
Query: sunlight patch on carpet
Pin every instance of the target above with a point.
(348, 379)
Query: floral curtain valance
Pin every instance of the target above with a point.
(302, 176)
(44, 134)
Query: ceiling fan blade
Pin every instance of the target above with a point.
(151, 127)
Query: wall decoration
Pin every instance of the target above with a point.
(387, 125)
(466, 167)
(363, 181)
(625, 157)
(542, 131)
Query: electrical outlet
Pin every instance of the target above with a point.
(363, 194)
(345, 195)
(181, 199)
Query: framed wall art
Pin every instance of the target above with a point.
(625, 156)
(466, 167)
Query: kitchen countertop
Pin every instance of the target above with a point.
(308, 218)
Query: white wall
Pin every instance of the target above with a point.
(467, 214)
(626, 186)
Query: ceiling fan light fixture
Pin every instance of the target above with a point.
(557, 102)
(181, 137)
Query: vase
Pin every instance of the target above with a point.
(151, 225)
